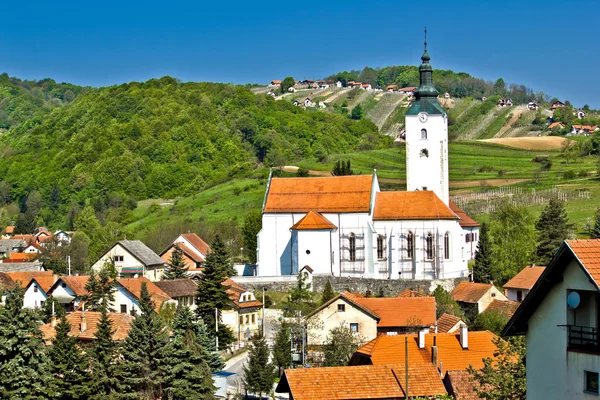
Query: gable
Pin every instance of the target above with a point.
(332, 306)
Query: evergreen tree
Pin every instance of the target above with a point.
(101, 289)
(176, 269)
(444, 303)
(102, 382)
(24, 370)
(258, 371)
(328, 293)
(68, 365)
(209, 347)
(252, 225)
(140, 372)
(482, 268)
(596, 230)
(282, 350)
(553, 228)
(341, 169)
(300, 297)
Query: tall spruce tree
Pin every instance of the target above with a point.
(596, 229)
(328, 293)
(258, 371)
(553, 228)
(176, 268)
(102, 357)
(482, 268)
(187, 374)
(101, 289)
(68, 365)
(140, 372)
(282, 350)
(24, 368)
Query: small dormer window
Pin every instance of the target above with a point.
(341, 307)
(63, 285)
(35, 288)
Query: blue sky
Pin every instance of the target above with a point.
(550, 46)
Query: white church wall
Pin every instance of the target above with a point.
(314, 250)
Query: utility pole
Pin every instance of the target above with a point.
(69, 264)
(263, 313)
(217, 327)
(406, 363)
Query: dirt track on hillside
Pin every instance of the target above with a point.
(530, 143)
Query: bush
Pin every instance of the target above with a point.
(545, 161)
(567, 175)
(583, 174)
(237, 190)
(302, 172)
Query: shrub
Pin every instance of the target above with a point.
(583, 174)
(567, 175)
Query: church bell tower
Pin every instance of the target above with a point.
(427, 137)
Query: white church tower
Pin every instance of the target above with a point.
(427, 137)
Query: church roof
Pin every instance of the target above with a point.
(411, 205)
(322, 194)
(313, 221)
(465, 220)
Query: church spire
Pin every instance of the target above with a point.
(426, 94)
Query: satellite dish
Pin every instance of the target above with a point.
(573, 300)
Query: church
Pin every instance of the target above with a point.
(345, 226)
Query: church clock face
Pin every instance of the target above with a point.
(423, 117)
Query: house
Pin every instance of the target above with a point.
(505, 102)
(413, 293)
(84, 326)
(447, 323)
(583, 129)
(27, 238)
(461, 385)
(355, 84)
(391, 88)
(63, 237)
(8, 232)
(519, 286)
(507, 308)
(194, 251)
(127, 296)
(338, 84)
(181, 290)
(307, 102)
(532, 105)
(275, 83)
(132, 258)
(557, 104)
(322, 104)
(323, 85)
(470, 229)
(556, 125)
(366, 86)
(473, 298)
(245, 316)
(8, 246)
(33, 248)
(484, 98)
(70, 291)
(297, 103)
(37, 290)
(33, 266)
(580, 114)
(560, 320)
(291, 89)
(407, 90)
(362, 382)
(272, 94)
(446, 95)
(20, 257)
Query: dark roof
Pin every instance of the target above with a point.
(7, 245)
(33, 266)
(142, 252)
(178, 287)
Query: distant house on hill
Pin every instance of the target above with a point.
(194, 251)
(308, 102)
(580, 114)
(291, 89)
(338, 84)
(275, 83)
(505, 102)
(407, 90)
(132, 258)
(8, 232)
(484, 98)
(557, 104)
(583, 129)
(446, 95)
(556, 125)
(366, 86)
(390, 88)
(533, 105)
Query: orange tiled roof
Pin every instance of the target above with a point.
(465, 220)
(361, 382)
(10, 229)
(506, 307)
(234, 291)
(462, 385)
(313, 221)
(587, 252)
(526, 278)
(26, 238)
(555, 124)
(585, 127)
(76, 283)
(22, 257)
(390, 349)
(6, 281)
(446, 322)
(423, 204)
(23, 278)
(470, 292)
(412, 293)
(121, 323)
(322, 194)
(400, 311)
(134, 286)
(391, 86)
(197, 242)
(45, 282)
(190, 257)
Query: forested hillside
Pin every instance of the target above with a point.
(160, 138)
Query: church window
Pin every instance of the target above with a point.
(423, 133)
(447, 246)
(410, 245)
(380, 247)
(424, 153)
(352, 246)
(429, 246)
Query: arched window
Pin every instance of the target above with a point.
(410, 245)
(429, 246)
(424, 153)
(380, 247)
(423, 133)
(447, 246)
(352, 246)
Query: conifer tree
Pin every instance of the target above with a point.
(176, 268)
(258, 371)
(101, 289)
(139, 372)
(328, 293)
(24, 372)
(282, 350)
(102, 382)
(553, 228)
(482, 268)
(596, 230)
(68, 365)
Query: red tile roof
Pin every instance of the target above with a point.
(465, 220)
(76, 283)
(10, 229)
(190, 257)
(506, 307)
(555, 124)
(178, 287)
(587, 252)
(361, 382)
(234, 291)
(23, 278)
(45, 282)
(400, 311)
(470, 292)
(6, 281)
(322, 194)
(313, 221)
(121, 323)
(412, 293)
(134, 286)
(447, 322)
(585, 127)
(197, 242)
(423, 204)
(526, 278)
(462, 385)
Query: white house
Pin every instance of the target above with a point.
(63, 237)
(308, 102)
(580, 114)
(533, 105)
(194, 250)
(366, 86)
(245, 315)
(36, 291)
(132, 258)
(128, 292)
(338, 84)
(69, 291)
(181, 290)
(519, 286)
(560, 320)
(345, 226)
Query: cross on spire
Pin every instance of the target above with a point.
(425, 37)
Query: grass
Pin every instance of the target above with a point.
(496, 125)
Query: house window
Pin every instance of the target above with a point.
(241, 319)
(429, 246)
(410, 245)
(380, 247)
(253, 318)
(35, 289)
(247, 319)
(423, 133)
(354, 327)
(123, 308)
(341, 307)
(424, 153)
(352, 246)
(519, 295)
(117, 258)
(591, 382)
(63, 285)
(447, 246)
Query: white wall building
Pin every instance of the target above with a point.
(344, 226)
(132, 258)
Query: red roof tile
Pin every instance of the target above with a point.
(23, 278)
(234, 291)
(462, 385)
(587, 252)
(121, 323)
(412, 293)
(423, 204)
(526, 278)
(134, 286)
(507, 307)
(401, 311)
(313, 221)
(470, 292)
(447, 322)
(197, 242)
(465, 220)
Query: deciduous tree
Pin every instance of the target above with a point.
(445, 303)
(340, 344)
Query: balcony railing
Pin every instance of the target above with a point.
(582, 338)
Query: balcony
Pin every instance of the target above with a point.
(582, 338)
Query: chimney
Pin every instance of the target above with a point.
(422, 334)
(434, 352)
(368, 293)
(464, 337)
(83, 324)
(53, 321)
(419, 289)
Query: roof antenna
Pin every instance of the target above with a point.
(425, 37)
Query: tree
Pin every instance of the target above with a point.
(101, 289)
(357, 112)
(252, 225)
(328, 293)
(445, 303)
(512, 233)
(340, 168)
(500, 87)
(287, 83)
(24, 370)
(596, 230)
(102, 356)
(340, 344)
(282, 350)
(68, 365)
(300, 297)
(176, 269)
(553, 228)
(5, 193)
(258, 371)
(482, 268)
(490, 320)
(503, 378)
(140, 371)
